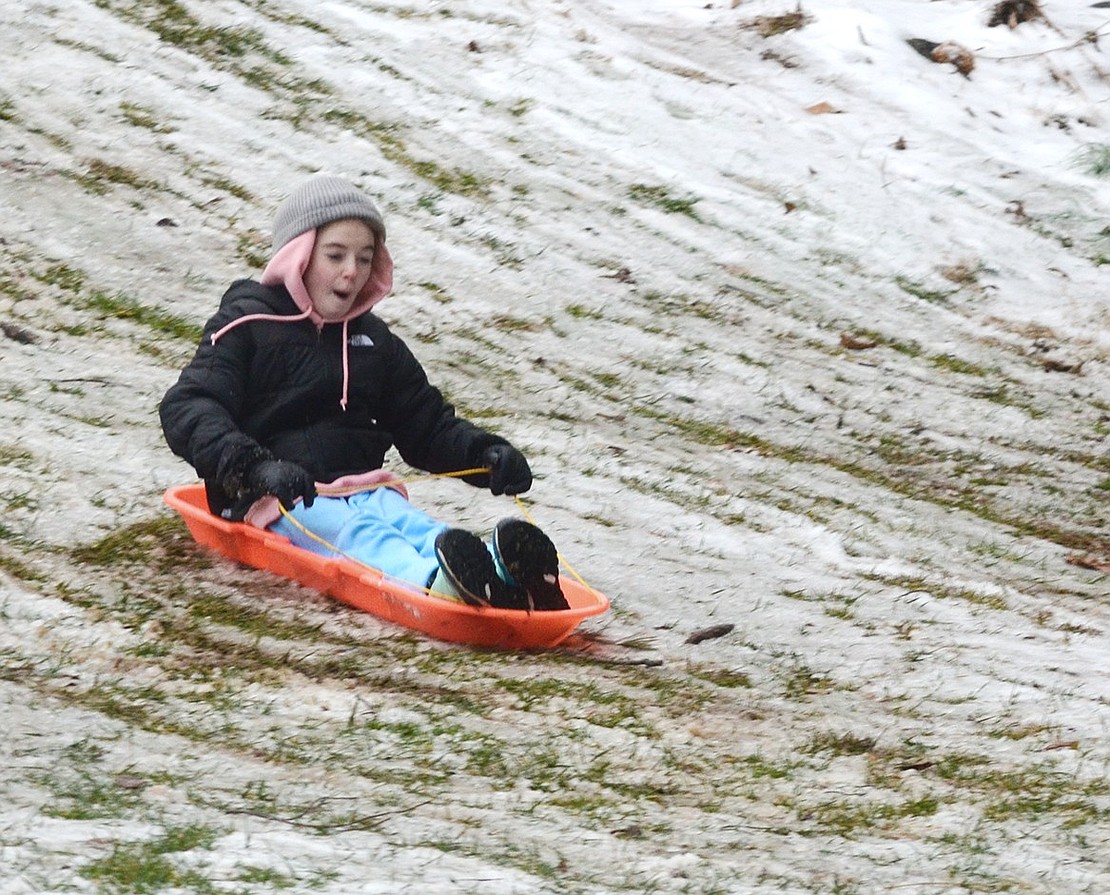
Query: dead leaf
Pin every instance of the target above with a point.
(1056, 366)
(710, 633)
(1013, 12)
(1062, 744)
(957, 55)
(624, 275)
(947, 51)
(1088, 562)
(822, 108)
(18, 333)
(856, 343)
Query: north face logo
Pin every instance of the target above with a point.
(360, 340)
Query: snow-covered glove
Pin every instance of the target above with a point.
(509, 472)
(283, 479)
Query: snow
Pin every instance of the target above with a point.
(804, 333)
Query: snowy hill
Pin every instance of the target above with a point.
(802, 314)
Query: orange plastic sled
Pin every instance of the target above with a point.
(369, 590)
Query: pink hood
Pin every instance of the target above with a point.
(288, 265)
(287, 269)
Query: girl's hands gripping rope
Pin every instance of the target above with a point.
(283, 479)
(509, 472)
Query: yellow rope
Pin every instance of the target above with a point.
(562, 559)
(404, 481)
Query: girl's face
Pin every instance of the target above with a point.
(339, 267)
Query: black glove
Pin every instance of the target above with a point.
(284, 480)
(508, 470)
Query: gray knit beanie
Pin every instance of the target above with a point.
(322, 200)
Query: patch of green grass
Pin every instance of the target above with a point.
(800, 680)
(267, 879)
(272, 880)
(770, 26)
(438, 293)
(228, 186)
(429, 202)
(256, 622)
(253, 249)
(97, 422)
(721, 677)
(485, 757)
(16, 456)
(917, 290)
(143, 117)
(25, 500)
(120, 307)
(7, 108)
(661, 197)
(240, 50)
(1023, 731)
(99, 52)
(533, 691)
(176, 26)
(73, 281)
(122, 705)
(838, 744)
(392, 146)
(760, 767)
(83, 790)
(89, 797)
(714, 434)
(15, 566)
(608, 381)
(318, 815)
(99, 176)
(857, 817)
(452, 180)
(145, 867)
(1005, 396)
(942, 590)
(508, 323)
(954, 364)
(519, 108)
(62, 276)
(504, 251)
(159, 543)
(1031, 792)
(1095, 159)
(581, 312)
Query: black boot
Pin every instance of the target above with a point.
(532, 561)
(469, 568)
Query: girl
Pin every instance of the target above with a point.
(298, 390)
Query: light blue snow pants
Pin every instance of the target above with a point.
(379, 528)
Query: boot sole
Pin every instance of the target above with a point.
(530, 557)
(469, 567)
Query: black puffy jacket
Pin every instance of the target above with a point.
(272, 389)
